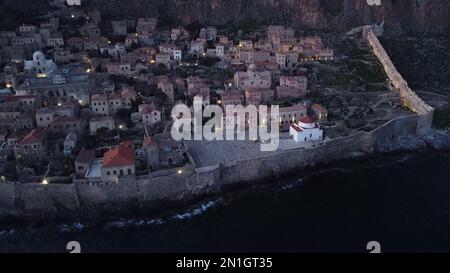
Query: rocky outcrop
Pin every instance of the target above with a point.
(429, 16)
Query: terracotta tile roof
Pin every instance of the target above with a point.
(35, 136)
(127, 93)
(114, 96)
(297, 128)
(307, 119)
(99, 97)
(123, 155)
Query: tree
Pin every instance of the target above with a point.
(102, 132)
(193, 29)
(209, 61)
(124, 115)
(160, 69)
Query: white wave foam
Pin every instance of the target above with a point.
(194, 212)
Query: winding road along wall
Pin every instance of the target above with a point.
(147, 193)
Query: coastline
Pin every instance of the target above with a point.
(436, 141)
(323, 182)
(83, 199)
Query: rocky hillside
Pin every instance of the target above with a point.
(429, 16)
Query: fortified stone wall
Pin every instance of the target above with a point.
(144, 193)
(409, 98)
(147, 192)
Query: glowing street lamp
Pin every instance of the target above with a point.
(45, 182)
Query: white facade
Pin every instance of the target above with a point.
(73, 2)
(306, 130)
(69, 143)
(177, 54)
(39, 65)
(112, 174)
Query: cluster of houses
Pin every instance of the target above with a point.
(58, 88)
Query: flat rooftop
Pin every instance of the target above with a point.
(95, 169)
(208, 153)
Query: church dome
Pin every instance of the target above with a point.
(307, 122)
(252, 67)
(38, 55)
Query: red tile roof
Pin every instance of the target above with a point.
(297, 128)
(123, 155)
(307, 119)
(99, 97)
(35, 136)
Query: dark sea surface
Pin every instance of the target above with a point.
(401, 201)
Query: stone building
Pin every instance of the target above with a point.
(101, 122)
(61, 126)
(118, 162)
(319, 112)
(165, 85)
(32, 146)
(306, 129)
(39, 65)
(253, 79)
(62, 85)
(292, 87)
(83, 161)
(291, 114)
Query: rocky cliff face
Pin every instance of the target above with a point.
(410, 15)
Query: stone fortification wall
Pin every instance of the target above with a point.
(409, 98)
(148, 192)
